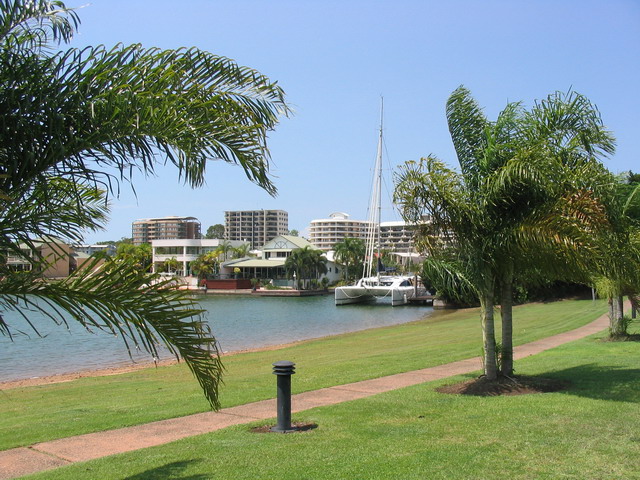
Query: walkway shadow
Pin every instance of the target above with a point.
(601, 382)
(170, 471)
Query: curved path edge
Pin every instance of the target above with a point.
(57, 453)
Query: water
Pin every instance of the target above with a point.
(238, 322)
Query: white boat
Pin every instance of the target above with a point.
(399, 289)
(375, 282)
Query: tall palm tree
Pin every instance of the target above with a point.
(529, 182)
(72, 117)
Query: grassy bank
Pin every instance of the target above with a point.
(34, 414)
(589, 431)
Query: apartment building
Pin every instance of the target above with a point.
(324, 233)
(256, 227)
(165, 228)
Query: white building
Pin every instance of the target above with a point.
(324, 233)
(185, 251)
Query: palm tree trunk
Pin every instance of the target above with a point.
(616, 313)
(506, 314)
(488, 335)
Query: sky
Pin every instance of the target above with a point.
(336, 59)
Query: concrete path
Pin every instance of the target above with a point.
(56, 453)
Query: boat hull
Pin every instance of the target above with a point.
(361, 294)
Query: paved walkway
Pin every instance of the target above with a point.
(57, 453)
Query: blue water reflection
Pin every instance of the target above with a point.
(238, 322)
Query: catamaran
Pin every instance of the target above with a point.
(376, 283)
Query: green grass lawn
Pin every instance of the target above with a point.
(35, 414)
(590, 431)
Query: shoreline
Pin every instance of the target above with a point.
(122, 369)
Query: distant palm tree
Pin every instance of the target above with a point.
(305, 263)
(350, 252)
(241, 251)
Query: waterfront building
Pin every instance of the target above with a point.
(272, 257)
(165, 228)
(185, 251)
(256, 227)
(326, 232)
(396, 236)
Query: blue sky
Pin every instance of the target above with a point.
(336, 58)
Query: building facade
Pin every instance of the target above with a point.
(269, 266)
(185, 251)
(109, 249)
(165, 228)
(256, 227)
(326, 232)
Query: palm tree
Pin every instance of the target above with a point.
(206, 264)
(224, 249)
(618, 263)
(305, 263)
(241, 251)
(529, 182)
(350, 252)
(171, 264)
(72, 117)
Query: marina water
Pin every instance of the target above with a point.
(238, 322)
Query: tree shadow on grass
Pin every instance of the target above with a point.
(170, 471)
(601, 382)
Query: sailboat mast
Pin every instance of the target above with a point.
(375, 206)
(379, 187)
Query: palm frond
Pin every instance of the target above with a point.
(467, 124)
(143, 310)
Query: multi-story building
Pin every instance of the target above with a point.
(326, 232)
(256, 227)
(396, 236)
(165, 228)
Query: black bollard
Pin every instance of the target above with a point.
(284, 370)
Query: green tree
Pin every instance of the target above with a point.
(223, 250)
(294, 232)
(241, 251)
(529, 182)
(215, 231)
(70, 118)
(350, 252)
(171, 264)
(617, 271)
(206, 264)
(139, 256)
(307, 264)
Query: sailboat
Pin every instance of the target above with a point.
(375, 283)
